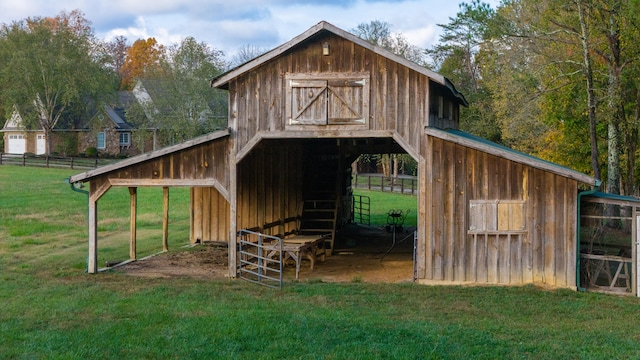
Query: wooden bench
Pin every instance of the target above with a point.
(298, 247)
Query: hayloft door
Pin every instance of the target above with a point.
(331, 100)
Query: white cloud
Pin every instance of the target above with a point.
(229, 25)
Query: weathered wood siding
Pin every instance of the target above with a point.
(398, 98)
(529, 231)
(270, 184)
(209, 215)
(205, 161)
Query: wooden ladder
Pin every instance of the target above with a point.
(319, 217)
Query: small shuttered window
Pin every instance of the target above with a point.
(327, 99)
(496, 215)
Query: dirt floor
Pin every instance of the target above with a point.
(362, 254)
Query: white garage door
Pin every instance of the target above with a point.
(17, 144)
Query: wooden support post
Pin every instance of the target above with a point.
(133, 202)
(92, 262)
(165, 219)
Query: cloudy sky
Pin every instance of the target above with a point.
(228, 25)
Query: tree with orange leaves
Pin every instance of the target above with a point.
(143, 58)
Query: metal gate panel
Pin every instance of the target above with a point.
(260, 258)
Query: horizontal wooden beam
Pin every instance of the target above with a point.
(325, 132)
(172, 183)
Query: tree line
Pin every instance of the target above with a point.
(558, 79)
(55, 73)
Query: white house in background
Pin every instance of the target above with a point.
(19, 140)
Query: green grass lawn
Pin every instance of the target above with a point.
(50, 308)
(384, 202)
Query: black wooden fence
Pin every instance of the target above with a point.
(404, 184)
(52, 161)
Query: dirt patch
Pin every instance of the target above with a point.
(362, 254)
(208, 260)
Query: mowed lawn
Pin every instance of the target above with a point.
(51, 309)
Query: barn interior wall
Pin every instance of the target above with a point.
(544, 252)
(270, 185)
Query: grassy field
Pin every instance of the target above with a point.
(50, 308)
(383, 202)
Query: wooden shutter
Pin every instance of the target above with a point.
(500, 215)
(308, 99)
(346, 101)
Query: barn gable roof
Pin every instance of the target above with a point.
(222, 81)
(86, 176)
(477, 143)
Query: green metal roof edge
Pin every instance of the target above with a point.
(603, 195)
(506, 149)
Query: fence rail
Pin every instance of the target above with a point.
(404, 184)
(52, 161)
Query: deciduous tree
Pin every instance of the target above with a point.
(144, 58)
(49, 66)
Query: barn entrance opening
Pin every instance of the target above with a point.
(371, 251)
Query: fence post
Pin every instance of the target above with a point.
(402, 185)
(47, 160)
(72, 163)
(1, 158)
(96, 163)
(24, 159)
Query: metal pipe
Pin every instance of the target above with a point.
(580, 195)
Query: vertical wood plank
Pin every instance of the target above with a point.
(560, 232)
(571, 245)
(493, 276)
(437, 218)
(515, 260)
(527, 248)
(197, 214)
(92, 260)
(537, 229)
(133, 215)
(206, 213)
(549, 227)
(424, 251)
(459, 213)
(471, 267)
(482, 261)
(504, 258)
(165, 219)
(449, 208)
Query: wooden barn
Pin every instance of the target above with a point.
(300, 114)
